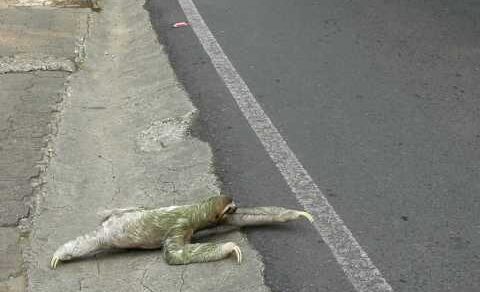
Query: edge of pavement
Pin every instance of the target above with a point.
(39, 48)
(121, 139)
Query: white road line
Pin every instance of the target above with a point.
(354, 261)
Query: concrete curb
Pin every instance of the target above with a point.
(123, 141)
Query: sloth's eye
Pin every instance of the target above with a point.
(231, 209)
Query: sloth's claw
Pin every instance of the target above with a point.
(230, 248)
(54, 262)
(238, 254)
(308, 216)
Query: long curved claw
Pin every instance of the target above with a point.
(54, 262)
(238, 253)
(308, 216)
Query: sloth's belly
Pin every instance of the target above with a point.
(129, 231)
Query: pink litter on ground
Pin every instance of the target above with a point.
(180, 24)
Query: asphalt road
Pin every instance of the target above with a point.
(379, 100)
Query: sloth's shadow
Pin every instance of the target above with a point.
(215, 233)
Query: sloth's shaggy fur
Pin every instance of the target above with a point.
(171, 228)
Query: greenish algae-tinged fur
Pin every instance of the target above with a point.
(171, 228)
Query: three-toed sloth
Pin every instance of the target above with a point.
(171, 228)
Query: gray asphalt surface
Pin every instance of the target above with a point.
(380, 102)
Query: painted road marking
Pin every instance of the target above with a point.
(354, 261)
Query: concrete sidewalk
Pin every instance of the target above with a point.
(38, 49)
(116, 136)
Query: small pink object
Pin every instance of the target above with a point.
(180, 24)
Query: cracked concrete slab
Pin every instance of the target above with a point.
(10, 262)
(31, 40)
(28, 104)
(13, 284)
(124, 88)
(45, 32)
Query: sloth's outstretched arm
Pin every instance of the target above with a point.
(176, 252)
(263, 216)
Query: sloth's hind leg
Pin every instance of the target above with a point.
(263, 216)
(81, 246)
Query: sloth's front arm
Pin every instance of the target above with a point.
(263, 216)
(179, 251)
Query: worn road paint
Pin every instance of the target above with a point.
(356, 264)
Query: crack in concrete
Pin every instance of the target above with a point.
(114, 177)
(142, 282)
(9, 129)
(80, 284)
(24, 217)
(81, 42)
(98, 265)
(183, 167)
(147, 288)
(144, 274)
(182, 277)
(37, 183)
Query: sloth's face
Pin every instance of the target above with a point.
(224, 205)
(229, 209)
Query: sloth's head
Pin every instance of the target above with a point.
(221, 205)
